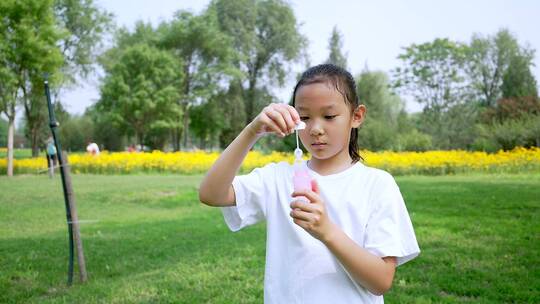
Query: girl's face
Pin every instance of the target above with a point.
(328, 121)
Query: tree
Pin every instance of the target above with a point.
(491, 59)
(207, 121)
(518, 80)
(143, 33)
(203, 52)
(434, 74)
(487, 60)
(112, 134)
(413, 141)
(82, 25)
(86, 26)
(383, 108)
(457, 127)
(533, 130)
(512, 108)
(3, 132)
(105, 131)
(499, 69)
(265, 37)
(77, 130)
(139, 91)
(36, 117)
(29, 36)
(8, 92)
(373, 89)
(233, 107)
(54, 36)
(335, 45)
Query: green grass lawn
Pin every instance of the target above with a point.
(149, 240)
(19, 153)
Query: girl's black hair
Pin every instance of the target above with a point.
(344, 83)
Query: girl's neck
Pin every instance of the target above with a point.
(331, 165)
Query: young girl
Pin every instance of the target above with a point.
(344, 245)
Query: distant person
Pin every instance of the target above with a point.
(340, 239)
(51, 153)
(92, 148)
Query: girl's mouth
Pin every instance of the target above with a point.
(318, 145)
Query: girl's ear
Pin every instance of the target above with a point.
(359, 115)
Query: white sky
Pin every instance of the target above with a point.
(374, 32)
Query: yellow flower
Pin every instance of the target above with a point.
(197, 162)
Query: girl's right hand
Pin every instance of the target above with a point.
(276, 118)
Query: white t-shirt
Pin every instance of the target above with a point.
(92, 148)
(364, 202)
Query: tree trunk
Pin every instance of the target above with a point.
(202, 143)
(250, 102)
(250, 107)
(187, 87)
(11, 132)
(140, 138)
(186, 127)
(176, 138)
(35, 141)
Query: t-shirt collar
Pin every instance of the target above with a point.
(358, 165)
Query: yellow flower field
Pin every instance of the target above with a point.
(397, 163)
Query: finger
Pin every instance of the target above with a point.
(278, 119)
(294, 114)
(302, 206)
(270, 125)
(301, 215)
(310, 195)
(301, 223)
(289, 121)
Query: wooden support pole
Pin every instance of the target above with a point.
(74, 219)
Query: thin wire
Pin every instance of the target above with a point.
(54, 167)
(83, 222)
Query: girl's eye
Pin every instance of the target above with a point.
(330, 116)
(302, 118)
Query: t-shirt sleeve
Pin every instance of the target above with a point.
(389, 231)
(251, 192)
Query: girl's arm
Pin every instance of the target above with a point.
(368, 270)
(374, 273)
(216, 188)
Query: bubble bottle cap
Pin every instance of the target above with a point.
(298, 152)
(300, 126)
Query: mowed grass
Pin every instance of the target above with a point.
(19, 153)
(147, 239)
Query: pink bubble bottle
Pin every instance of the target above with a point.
(301, 177)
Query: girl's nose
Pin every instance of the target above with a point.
(316, 130)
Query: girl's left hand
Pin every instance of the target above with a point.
(312, 216)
